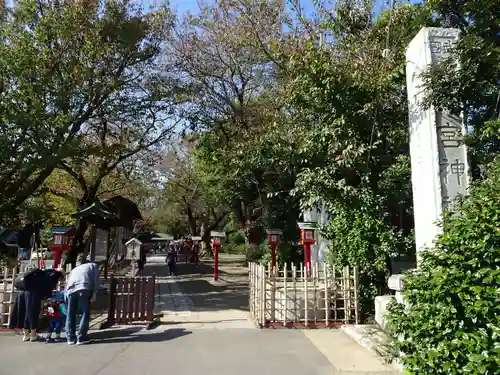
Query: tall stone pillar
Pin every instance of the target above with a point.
(439, 166)
(321, 216)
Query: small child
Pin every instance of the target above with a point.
(55, 310)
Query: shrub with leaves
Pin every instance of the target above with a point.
(451, 322)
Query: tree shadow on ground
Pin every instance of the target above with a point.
(230, 292)
(136, 334)
(182, 269)
(209, 297)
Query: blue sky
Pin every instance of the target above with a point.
(185, 5)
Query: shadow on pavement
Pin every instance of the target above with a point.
(133, 334)
(209, 297)
(229, 293)
(194, 280)
(183, 269)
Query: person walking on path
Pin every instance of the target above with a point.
(81, 289)
(33, 287)
(171, 261)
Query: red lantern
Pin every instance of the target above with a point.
(216, 243)
(307, 239)
(307, 236)
(273, 236)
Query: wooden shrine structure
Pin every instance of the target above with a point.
(112, 223)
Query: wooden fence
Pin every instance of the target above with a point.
(8, 293)
(131, 299)
(326, 296)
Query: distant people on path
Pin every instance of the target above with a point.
(55, 311)
(171, 261)
(33, 287)
(81, 289)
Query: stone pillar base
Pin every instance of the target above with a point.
(381, 303)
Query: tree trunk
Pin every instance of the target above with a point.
(191, 220)
(205, 249)
(253, 233)
(77, 243)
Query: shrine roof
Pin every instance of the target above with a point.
(124, 207)
(115, 212)
(61, 230)
(9, 235)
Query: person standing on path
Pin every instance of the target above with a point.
(55, 311)
(81, 289)
(33, 286)
(171, 261)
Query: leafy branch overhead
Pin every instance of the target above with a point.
(63, 67)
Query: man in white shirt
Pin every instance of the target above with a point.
(80, 292)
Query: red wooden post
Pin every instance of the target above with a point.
(216, 243)
(216, 262)
(307, 250)
(273, 256)
(307, 238)
(57, 256)
(272, 239)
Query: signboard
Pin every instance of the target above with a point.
(196, 238)
(133, 247)
(132, 253)
(218, 234)
(101, 243)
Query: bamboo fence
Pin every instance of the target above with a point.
(290, 296)
(8, 292)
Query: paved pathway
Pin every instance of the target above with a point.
(194, 300)
(203, 332)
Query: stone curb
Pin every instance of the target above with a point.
(369, 344)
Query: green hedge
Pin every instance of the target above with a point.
(452, 323)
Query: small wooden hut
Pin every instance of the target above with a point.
(112, 223)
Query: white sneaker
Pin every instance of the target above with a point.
(35, 338)
(26, 338)
(84, 342)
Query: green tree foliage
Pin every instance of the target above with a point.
(467, 81)
(349, 115)
(187, 205)
(62, 65)
(451, 324)
(229, 77)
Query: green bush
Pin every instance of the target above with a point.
(254, 253)
(234, 244)
(286, 253)
(46, 236)
(451, 324)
